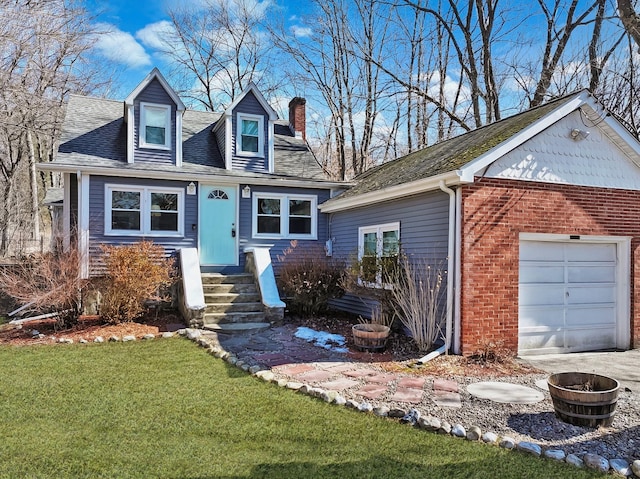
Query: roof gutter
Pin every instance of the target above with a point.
(178, 175)
(390, 193)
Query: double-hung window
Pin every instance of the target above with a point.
(284, 216)
(378, 249)
(155, 130)
(250, 135)
(134, 210)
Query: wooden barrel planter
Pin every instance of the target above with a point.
(370, 336)
(584, 399)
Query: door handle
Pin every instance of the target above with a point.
(233, 230)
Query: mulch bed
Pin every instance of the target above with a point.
(401, 353)
(88, 328)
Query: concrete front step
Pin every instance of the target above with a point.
(217, 298)
(237, 328)
(221, 288)
(216, 278)
(233, 307)
(233, 317)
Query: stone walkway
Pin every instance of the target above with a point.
(290, 357)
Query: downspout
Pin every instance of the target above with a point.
(450, 275)
(458, 275)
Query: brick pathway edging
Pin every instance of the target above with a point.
(414, 418)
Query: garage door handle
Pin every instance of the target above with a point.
(567, 294)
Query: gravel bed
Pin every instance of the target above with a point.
(538, 423)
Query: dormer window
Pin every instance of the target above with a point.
(155, 126)
(250, 130)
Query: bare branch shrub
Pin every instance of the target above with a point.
(378, 316)
(491, 352)
(135, 274)
(48, 282)
(417, 298)
(361, 280)
(309, 279)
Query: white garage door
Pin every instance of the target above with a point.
(567, 296)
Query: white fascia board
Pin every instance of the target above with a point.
(618, 129)
(130, 132)
(394, 192)
(228, 145)
(178, 138)
(195, 177)
(468, 171)
(83, 222)
(270, 148)
(261, 99)
(155, 73)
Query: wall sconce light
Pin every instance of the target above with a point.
(577, 134)
(246, 192)
(191, 188)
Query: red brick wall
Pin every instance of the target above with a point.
(494, 212)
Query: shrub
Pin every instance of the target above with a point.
(134, 274)
(309, 279)
(417, 297)
(46, 283)
(404, 288)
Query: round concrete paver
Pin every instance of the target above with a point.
(542, 384)
(505, 393)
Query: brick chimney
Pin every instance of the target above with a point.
(298, 117)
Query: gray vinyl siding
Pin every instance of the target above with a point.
(250, 105)
(424, 226)
(154, 93)
(97, 218)
(277, 246)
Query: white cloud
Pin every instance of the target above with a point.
(452, 90)
(121, 47)
(156, 35)
(300, 32)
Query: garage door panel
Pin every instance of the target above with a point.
(590, 252)
(592, 274)
(542, 319)
(590, 317)
(540, 251)
(536, 273)
(595, 294)
(541, 295)
(590, 340)
(541, 340)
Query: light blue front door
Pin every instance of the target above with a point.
(218, 225)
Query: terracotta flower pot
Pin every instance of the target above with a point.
(370, 336)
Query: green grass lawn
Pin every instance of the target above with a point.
(166, 408)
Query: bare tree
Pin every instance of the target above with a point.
(630, 19)
(217, 48)
(336, 60)
(43, 44)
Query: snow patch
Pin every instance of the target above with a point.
(323, 339)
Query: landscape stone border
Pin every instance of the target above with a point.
(415, 418)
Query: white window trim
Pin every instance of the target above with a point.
(142, 133)
(284, 216)
(378, 229)
(145, 211)
(260, 120)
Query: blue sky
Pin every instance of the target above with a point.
(132, 27)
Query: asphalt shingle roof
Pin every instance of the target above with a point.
(95, 134)
(446, 156)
